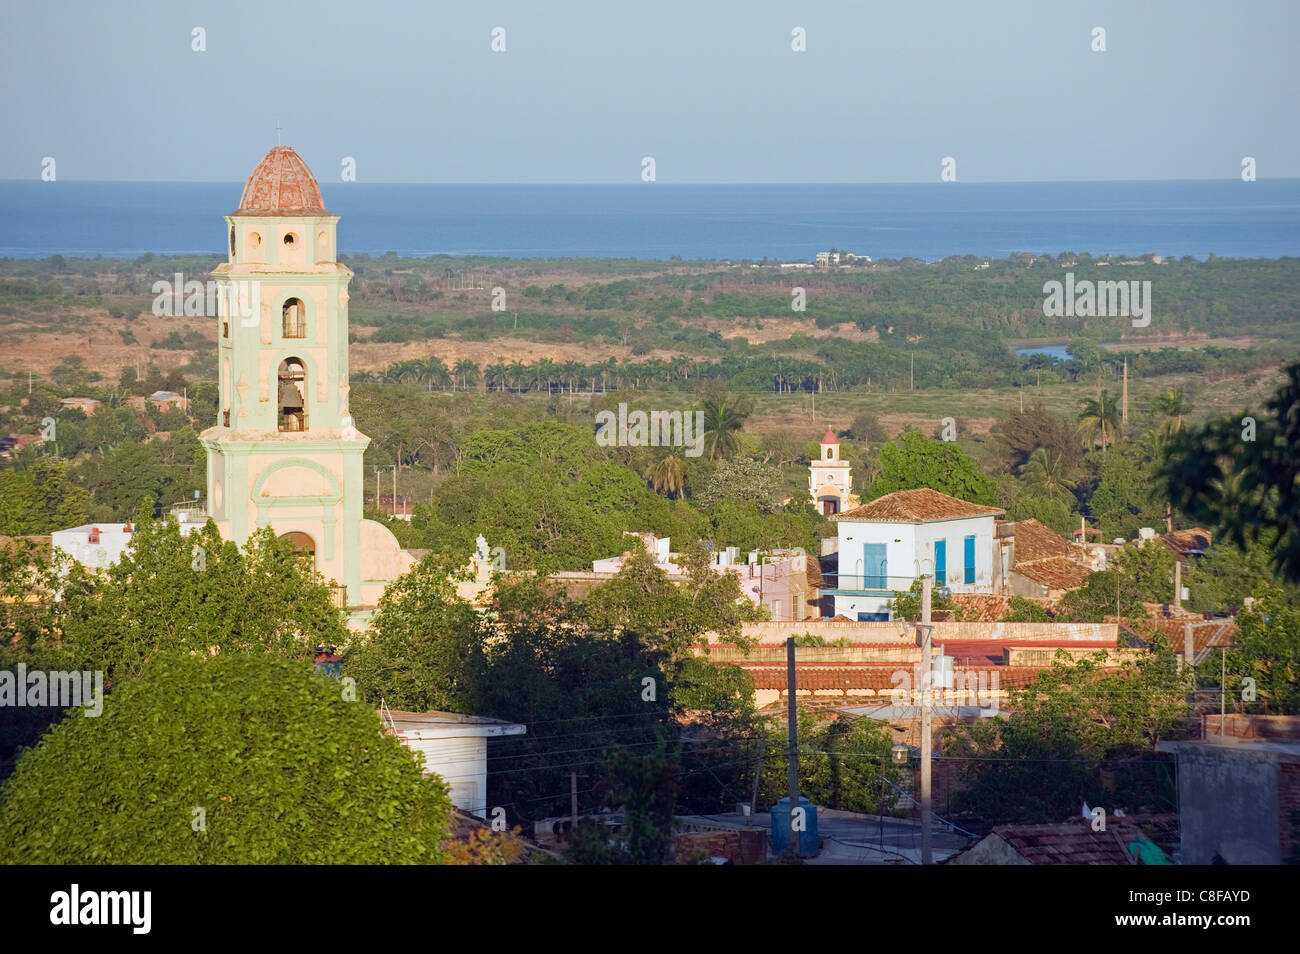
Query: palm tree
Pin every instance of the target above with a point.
(544, 372)
(723, 417)
(468, 373)
(435, 372)
(1100, 417)
(1173, 405)
(1043, 472)
(668, 474)
(496, 375)
(517, 374)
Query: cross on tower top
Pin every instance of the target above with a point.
(277, 132)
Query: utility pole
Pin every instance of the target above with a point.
(927, 589)
(758, 771)
(911, 372)
(394, 490)
(376, 486)
(573, 801)
(1178, 584)
(1223, 687)
(1124, 413)
(792, 768)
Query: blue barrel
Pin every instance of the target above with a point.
(808, 844)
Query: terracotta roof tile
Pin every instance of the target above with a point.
(281, 184)
(991, 608)
(916, 506)
(1185, 542)
(1071, 843)
(1035, 541)
(1057, 573)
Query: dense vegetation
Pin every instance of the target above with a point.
(608, 684)
(237, 759)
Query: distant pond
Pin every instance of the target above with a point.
(1057, 351)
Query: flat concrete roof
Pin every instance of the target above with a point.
(1233, 745)
(446, 725)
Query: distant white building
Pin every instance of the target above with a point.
(836, 257)
(886, 544)
(454, 747)
(99, 545)
(776, 579)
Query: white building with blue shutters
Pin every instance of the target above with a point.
(886, 544)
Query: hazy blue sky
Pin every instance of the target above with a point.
(711, 90)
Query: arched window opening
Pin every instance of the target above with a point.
(289, 238)
(293, 395)
(294, 319)
(232, 240)
(303, 543)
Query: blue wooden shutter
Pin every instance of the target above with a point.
(873, 566)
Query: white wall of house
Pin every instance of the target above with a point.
(910, 552)
(462, 764)
(454, 747)
(99, 551)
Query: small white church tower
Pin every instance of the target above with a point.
(830, 483)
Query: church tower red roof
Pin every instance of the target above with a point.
(830, 437)
(281, 184)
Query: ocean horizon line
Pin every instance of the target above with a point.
(711, 185)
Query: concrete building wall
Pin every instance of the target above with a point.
(1228, 804)
(462, 763)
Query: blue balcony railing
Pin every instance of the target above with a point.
(868, 584)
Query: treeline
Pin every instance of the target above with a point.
(966, 360)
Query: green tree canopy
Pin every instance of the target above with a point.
(844, 763)
(915, 461)
(41, 500)
(1267, 649)
(1241, 475)
(200, 593)
(1041, 761)
(744, 480)
(238, 759)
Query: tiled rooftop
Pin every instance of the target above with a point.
(916, 506)
(1057, 573)
(1075, 843)
(1036, 541)
(1184, 542)
(991, 608)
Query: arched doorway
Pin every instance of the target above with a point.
(303, 543)
(292, 392)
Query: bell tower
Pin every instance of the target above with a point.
(284, 452)
(830, 481)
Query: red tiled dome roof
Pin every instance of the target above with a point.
(281, 184)
(829, 437)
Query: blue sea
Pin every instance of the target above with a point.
(1230, 219)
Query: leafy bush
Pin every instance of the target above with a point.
(236, 759)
